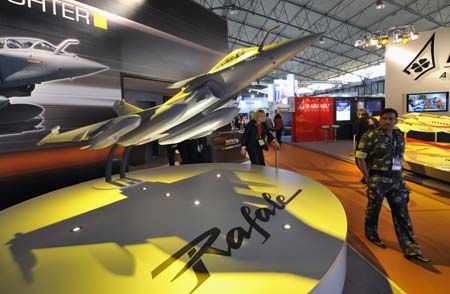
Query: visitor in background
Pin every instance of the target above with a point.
(278, 121)
(269, 123)
(254, 139)
(380, 157)
(242, 122)
(363, 124)
(170, 152)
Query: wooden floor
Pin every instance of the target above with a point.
(429, 210)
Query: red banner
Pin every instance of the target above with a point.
(310, 114)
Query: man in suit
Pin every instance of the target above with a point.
(254, 139)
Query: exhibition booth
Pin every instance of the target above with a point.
(418, 86)
(329, 118)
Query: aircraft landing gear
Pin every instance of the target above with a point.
(109, 161)
(123, 162)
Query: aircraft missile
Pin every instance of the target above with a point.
(29, 125)
(17, 118)
(151, 129)
(205, 125)
(3, 102)
(112, 131)
(14, 113)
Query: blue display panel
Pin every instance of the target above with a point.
(343, 112)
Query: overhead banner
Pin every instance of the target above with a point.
(310, 114)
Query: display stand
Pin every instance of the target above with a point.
(181, 229)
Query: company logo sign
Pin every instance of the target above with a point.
(66, 10)
(234, 239)
(423, 62)
(314, 106)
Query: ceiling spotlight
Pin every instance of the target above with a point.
(373, 41)
(218, 175)
(144, 188)
(384, 40)
(396, 38)
(380, 4)
(405, 40)
(196, 202)
(167, 194)
(234, 10)
(360, 43)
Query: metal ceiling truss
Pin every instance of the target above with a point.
(342, 21)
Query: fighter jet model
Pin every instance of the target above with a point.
(25, 62)
(199, 108)
(423, 122)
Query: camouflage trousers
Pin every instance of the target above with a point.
(397, 195)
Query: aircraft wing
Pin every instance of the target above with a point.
(76, 135)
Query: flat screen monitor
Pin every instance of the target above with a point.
(427, 102)
(373, 105)
(343, 110)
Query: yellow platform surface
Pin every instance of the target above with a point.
(187, 229)
(430, 156)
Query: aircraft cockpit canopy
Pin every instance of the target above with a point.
(44, 46)
(26, 43)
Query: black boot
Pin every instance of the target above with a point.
(418, 257)
(376, 240)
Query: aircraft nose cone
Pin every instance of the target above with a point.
(80, 67)
(289, 48)
(92, 66)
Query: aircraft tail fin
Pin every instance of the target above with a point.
(121, 107)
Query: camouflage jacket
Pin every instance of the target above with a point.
(379, 149)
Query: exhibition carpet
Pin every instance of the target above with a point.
(429, 209)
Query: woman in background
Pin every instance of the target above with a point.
(362, 124)
(254, 139)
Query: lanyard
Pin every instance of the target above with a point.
(394, 144)
(259, 128)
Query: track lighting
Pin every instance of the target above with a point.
(378, 39)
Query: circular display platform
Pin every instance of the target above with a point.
(207, 228)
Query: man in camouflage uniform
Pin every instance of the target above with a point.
(380, 157)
